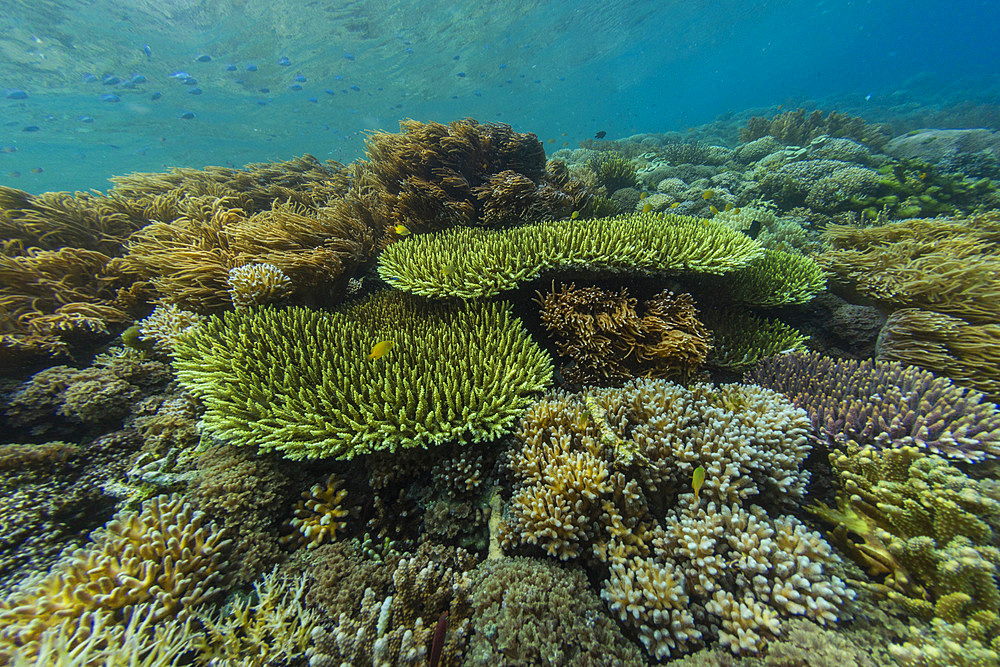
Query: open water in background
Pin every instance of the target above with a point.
(562, 69)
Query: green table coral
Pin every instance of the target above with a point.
(472, 263)
(302, 382)
(777, 279)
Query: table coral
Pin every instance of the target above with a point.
(301, 382)
(741, 338)
(674, 563)
(885, 404)
(609, 338)
(473, 263)
(167, 554)
(778, 278)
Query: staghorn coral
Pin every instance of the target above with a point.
(672, 557)
(333, 401)
(798, 129)
(944, 265)
(188, 260)
(741, 339)
(167, 555)
(473, 263)
(924, 525)
(967, 353)
(885, 404)
(608, 340)
(529, 611)
(270, 626)
(317, 515)
(776, 279)
(430, 176)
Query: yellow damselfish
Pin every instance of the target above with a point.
(401, 230)
(708, 194)
(697, 480)
(647, 208)
(380, 349)
(576, 214)
(713, 210)
(675, 204)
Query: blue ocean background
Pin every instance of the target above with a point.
(94, 89)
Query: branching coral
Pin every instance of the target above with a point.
(796, 128)
(776, 279)
(923, 524)
(608, 341)
(613, 170)
(165, 325)
(303, 382)
(318, 515)
(472, 263)
(674, 556)
(967, 353)
(885, 404)
(167, 554)
(742, 338)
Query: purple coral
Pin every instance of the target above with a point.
(885, 404)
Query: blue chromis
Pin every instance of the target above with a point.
(380, 349)
(401, 229)
(697, 479)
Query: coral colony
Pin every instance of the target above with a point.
(462, 404)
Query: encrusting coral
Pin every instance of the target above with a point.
(599, 477)
(885, 404)
(473, 263)
(609, 338)
(305, 383)
(167, 555)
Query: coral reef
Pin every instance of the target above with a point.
(797, 129)
(530, 611)
(741, 339)
(318, 515)
(776, 279)
(167, 554)
(598, 476)
(613, 170)
(609, 338)
(472, 263)
(332, 399)
(884, 404)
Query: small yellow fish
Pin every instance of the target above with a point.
(448, 269)
(380, 349)
(714, 210)
(401, 230)
(675, 204)
(647, 208)
(642, 195)
(736, 210)
(729, 206)
(576, 214)
(697, 480)
(708, 194)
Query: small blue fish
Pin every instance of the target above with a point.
(355, 88)
(408, 49)
(251, 67)
(138, 78)
(194, 91)
(110, 98)
(9, 149)
(155, 96)
(313, 99)
(230, 67)
(190, 81)
(16, 94)
(180, 74)
(89, 78)
(203, 58)
(110, 80)
(339, 77)
(295, 86)
(264, 90)
(283, 61)
(31, 128)
(187, 115)
(261, 102)
(86, 119)
(349, 56)
(148, 51)
(456, 57)
(328, 91)
(503, 65)
(461, 74)
(300, 78)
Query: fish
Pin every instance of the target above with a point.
(137, 78)
(697, 479)
(9, 149)
(190, 81)
(194, 91)
(148, 51)
(31, 128)
(110, 98)
(642, 195)
(36, 170)
(89, 78)
(300, 78)
(552, 141)
(187, 115)
(647, 208)
(675, 204)
(230, 67)
(729, 206)
(180, 74)
(574, 215)
(355, 88)
(714, 210)
(349, 56)
(380, 349)
(251, 68)
(707, 194)
(295, 86)
(601, 135)
(155, 96)
(754, 229)
(203, 58)
(736, 210)
(16, 94)
(283, 61)
(401, 229)
(110, 80)
(461, 75)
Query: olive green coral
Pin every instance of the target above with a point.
(303, 382)
(742, 339)
(472, 263)
(778, 278)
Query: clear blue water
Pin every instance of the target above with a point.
(563, 70)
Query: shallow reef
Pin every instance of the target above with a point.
(708, 399)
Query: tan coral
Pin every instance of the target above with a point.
(258, 284)
(318, 515)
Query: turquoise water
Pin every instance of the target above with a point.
(561, 70)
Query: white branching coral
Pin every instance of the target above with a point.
(166, 324)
